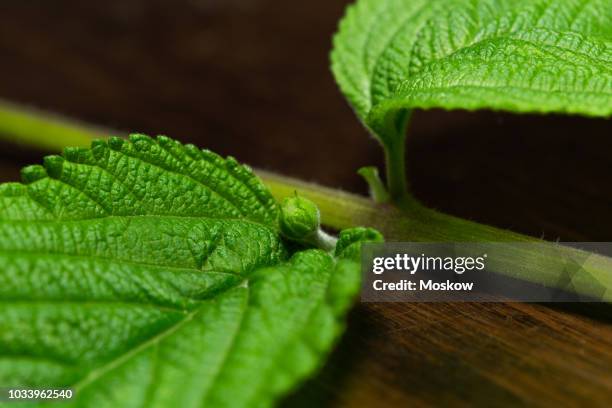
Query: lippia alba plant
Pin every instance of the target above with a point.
(147, 273)
(393, 56)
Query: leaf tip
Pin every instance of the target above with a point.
(231, 162)
(99, 143)
(164, 141)
(33, 173)
(74, 154)
(140, 138)
(54, 165)
(116, 143)
(99, 148)
(193, 151)
(212, 156)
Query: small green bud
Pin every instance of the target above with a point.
(299, 218)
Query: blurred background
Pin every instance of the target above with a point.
(251, 78)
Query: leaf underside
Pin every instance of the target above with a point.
(145, 273)
(517, 55)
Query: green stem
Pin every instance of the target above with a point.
(418, 224)
(392, 134)
(44, 131)
(396, 170)
(408, 221)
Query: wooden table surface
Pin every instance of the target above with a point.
(250, 78)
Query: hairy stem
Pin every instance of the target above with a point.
(418, 224)
(407, 221)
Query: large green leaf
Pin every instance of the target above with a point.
(518, 55)
(145, 273)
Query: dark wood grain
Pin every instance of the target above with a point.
(467, 354)
(250, 78)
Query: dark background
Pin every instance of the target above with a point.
(251, 78)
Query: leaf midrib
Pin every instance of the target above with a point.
(97, 373)
(96, 302)
(109, 260)
(155, 341)
(509, 36)
(441, 88)
(141, 216)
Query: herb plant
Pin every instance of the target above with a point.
(144, 272)
(148, 273)
(393, 56)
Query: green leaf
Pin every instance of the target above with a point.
(145, 273)
(517, 55)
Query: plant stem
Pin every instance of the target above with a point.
(392, 134)
(44, 131)
(418, 224)
(340, 210)
(408, 221)
(396, 170)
